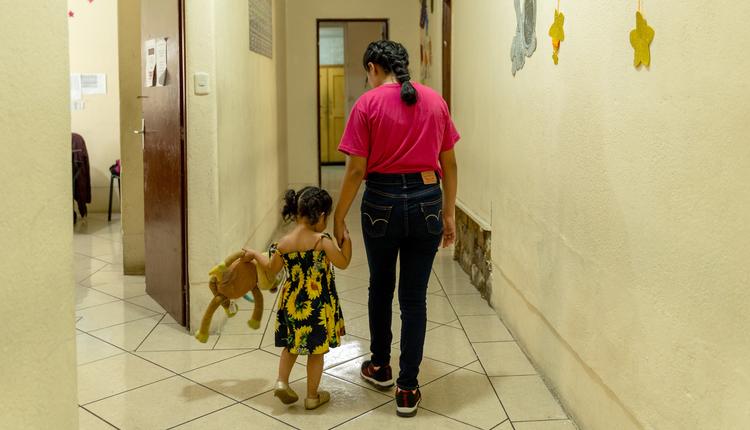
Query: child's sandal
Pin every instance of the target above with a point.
(285, 393)
(323, 397)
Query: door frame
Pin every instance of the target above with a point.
(319, 21)
(447, 46)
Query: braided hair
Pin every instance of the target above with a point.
(309, 202)
(393, 58)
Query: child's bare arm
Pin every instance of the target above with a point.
(339, 257)
(271, 266)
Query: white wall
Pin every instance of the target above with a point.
(619, 201)
(302, 96)
(131, 113)
(94, 49)
(37, 355)
(236, 151)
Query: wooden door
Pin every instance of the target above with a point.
(332, 113)
(336, 112)
(164, 163)
(323, 114)
(447, 41)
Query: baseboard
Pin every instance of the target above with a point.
(473, 250)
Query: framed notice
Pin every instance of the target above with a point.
(261, 27)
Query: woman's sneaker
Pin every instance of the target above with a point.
(407, 402)
(381, 378)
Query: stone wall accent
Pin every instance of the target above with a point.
(473, 252)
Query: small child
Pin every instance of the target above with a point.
(309, 319)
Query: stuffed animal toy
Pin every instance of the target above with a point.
(233, 279)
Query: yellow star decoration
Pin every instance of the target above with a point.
(557, 34)
(641, 39)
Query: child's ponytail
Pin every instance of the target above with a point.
(289, 213)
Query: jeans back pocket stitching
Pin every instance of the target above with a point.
(374, 221)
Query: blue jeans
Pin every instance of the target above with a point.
(400, 216)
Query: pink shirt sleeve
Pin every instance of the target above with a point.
(356, 138)
(450, 136)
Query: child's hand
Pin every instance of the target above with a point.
(249, 254)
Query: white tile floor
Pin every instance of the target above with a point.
(139, 370)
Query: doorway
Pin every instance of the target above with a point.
(114, 252)
(341, 79)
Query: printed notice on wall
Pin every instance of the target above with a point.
(161, 62)
(261, 27)
(93, 83)
(150, 63)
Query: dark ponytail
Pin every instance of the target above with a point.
(310, 202)
(290, 206)
(393, 58)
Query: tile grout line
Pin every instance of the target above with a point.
(130, 389)
(450, 418)
(95, 271)
(270, 416)
(150, 331)
(357, 416)
(115, 325)
(542, 421)
(201, 416)
(84, 408)
(505, 411)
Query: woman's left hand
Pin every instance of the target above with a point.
(339, 230)
(449, 230)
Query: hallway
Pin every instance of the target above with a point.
(601, 211)
(133, 360)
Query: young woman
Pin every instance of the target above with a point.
(400, 138)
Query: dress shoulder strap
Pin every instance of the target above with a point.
(324, 236)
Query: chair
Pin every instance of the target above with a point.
(114, 170)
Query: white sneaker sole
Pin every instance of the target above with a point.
(407, 412)
(379, 384)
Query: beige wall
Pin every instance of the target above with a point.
(357, 36)
(94, 49)
(38, 357)
(619, 202)
(236, 154)
(436, 35)
(131, 112)
(302, 99)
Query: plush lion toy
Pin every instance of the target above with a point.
(232, 279)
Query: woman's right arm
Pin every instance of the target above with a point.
(355, 173)
(450, 184)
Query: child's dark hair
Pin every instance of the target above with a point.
(393, 58)
(309, 202)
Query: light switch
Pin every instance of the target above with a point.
(201, 83)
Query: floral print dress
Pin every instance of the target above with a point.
(309, 319)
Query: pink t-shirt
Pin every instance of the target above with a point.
(395, 137)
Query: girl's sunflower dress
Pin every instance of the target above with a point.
(309, 319)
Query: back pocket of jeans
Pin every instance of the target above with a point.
(375, 219)
(433, 216)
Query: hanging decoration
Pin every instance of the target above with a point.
(425, 44)
(557, 33)
(641, 39)
(524, 42)
(71, 14)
